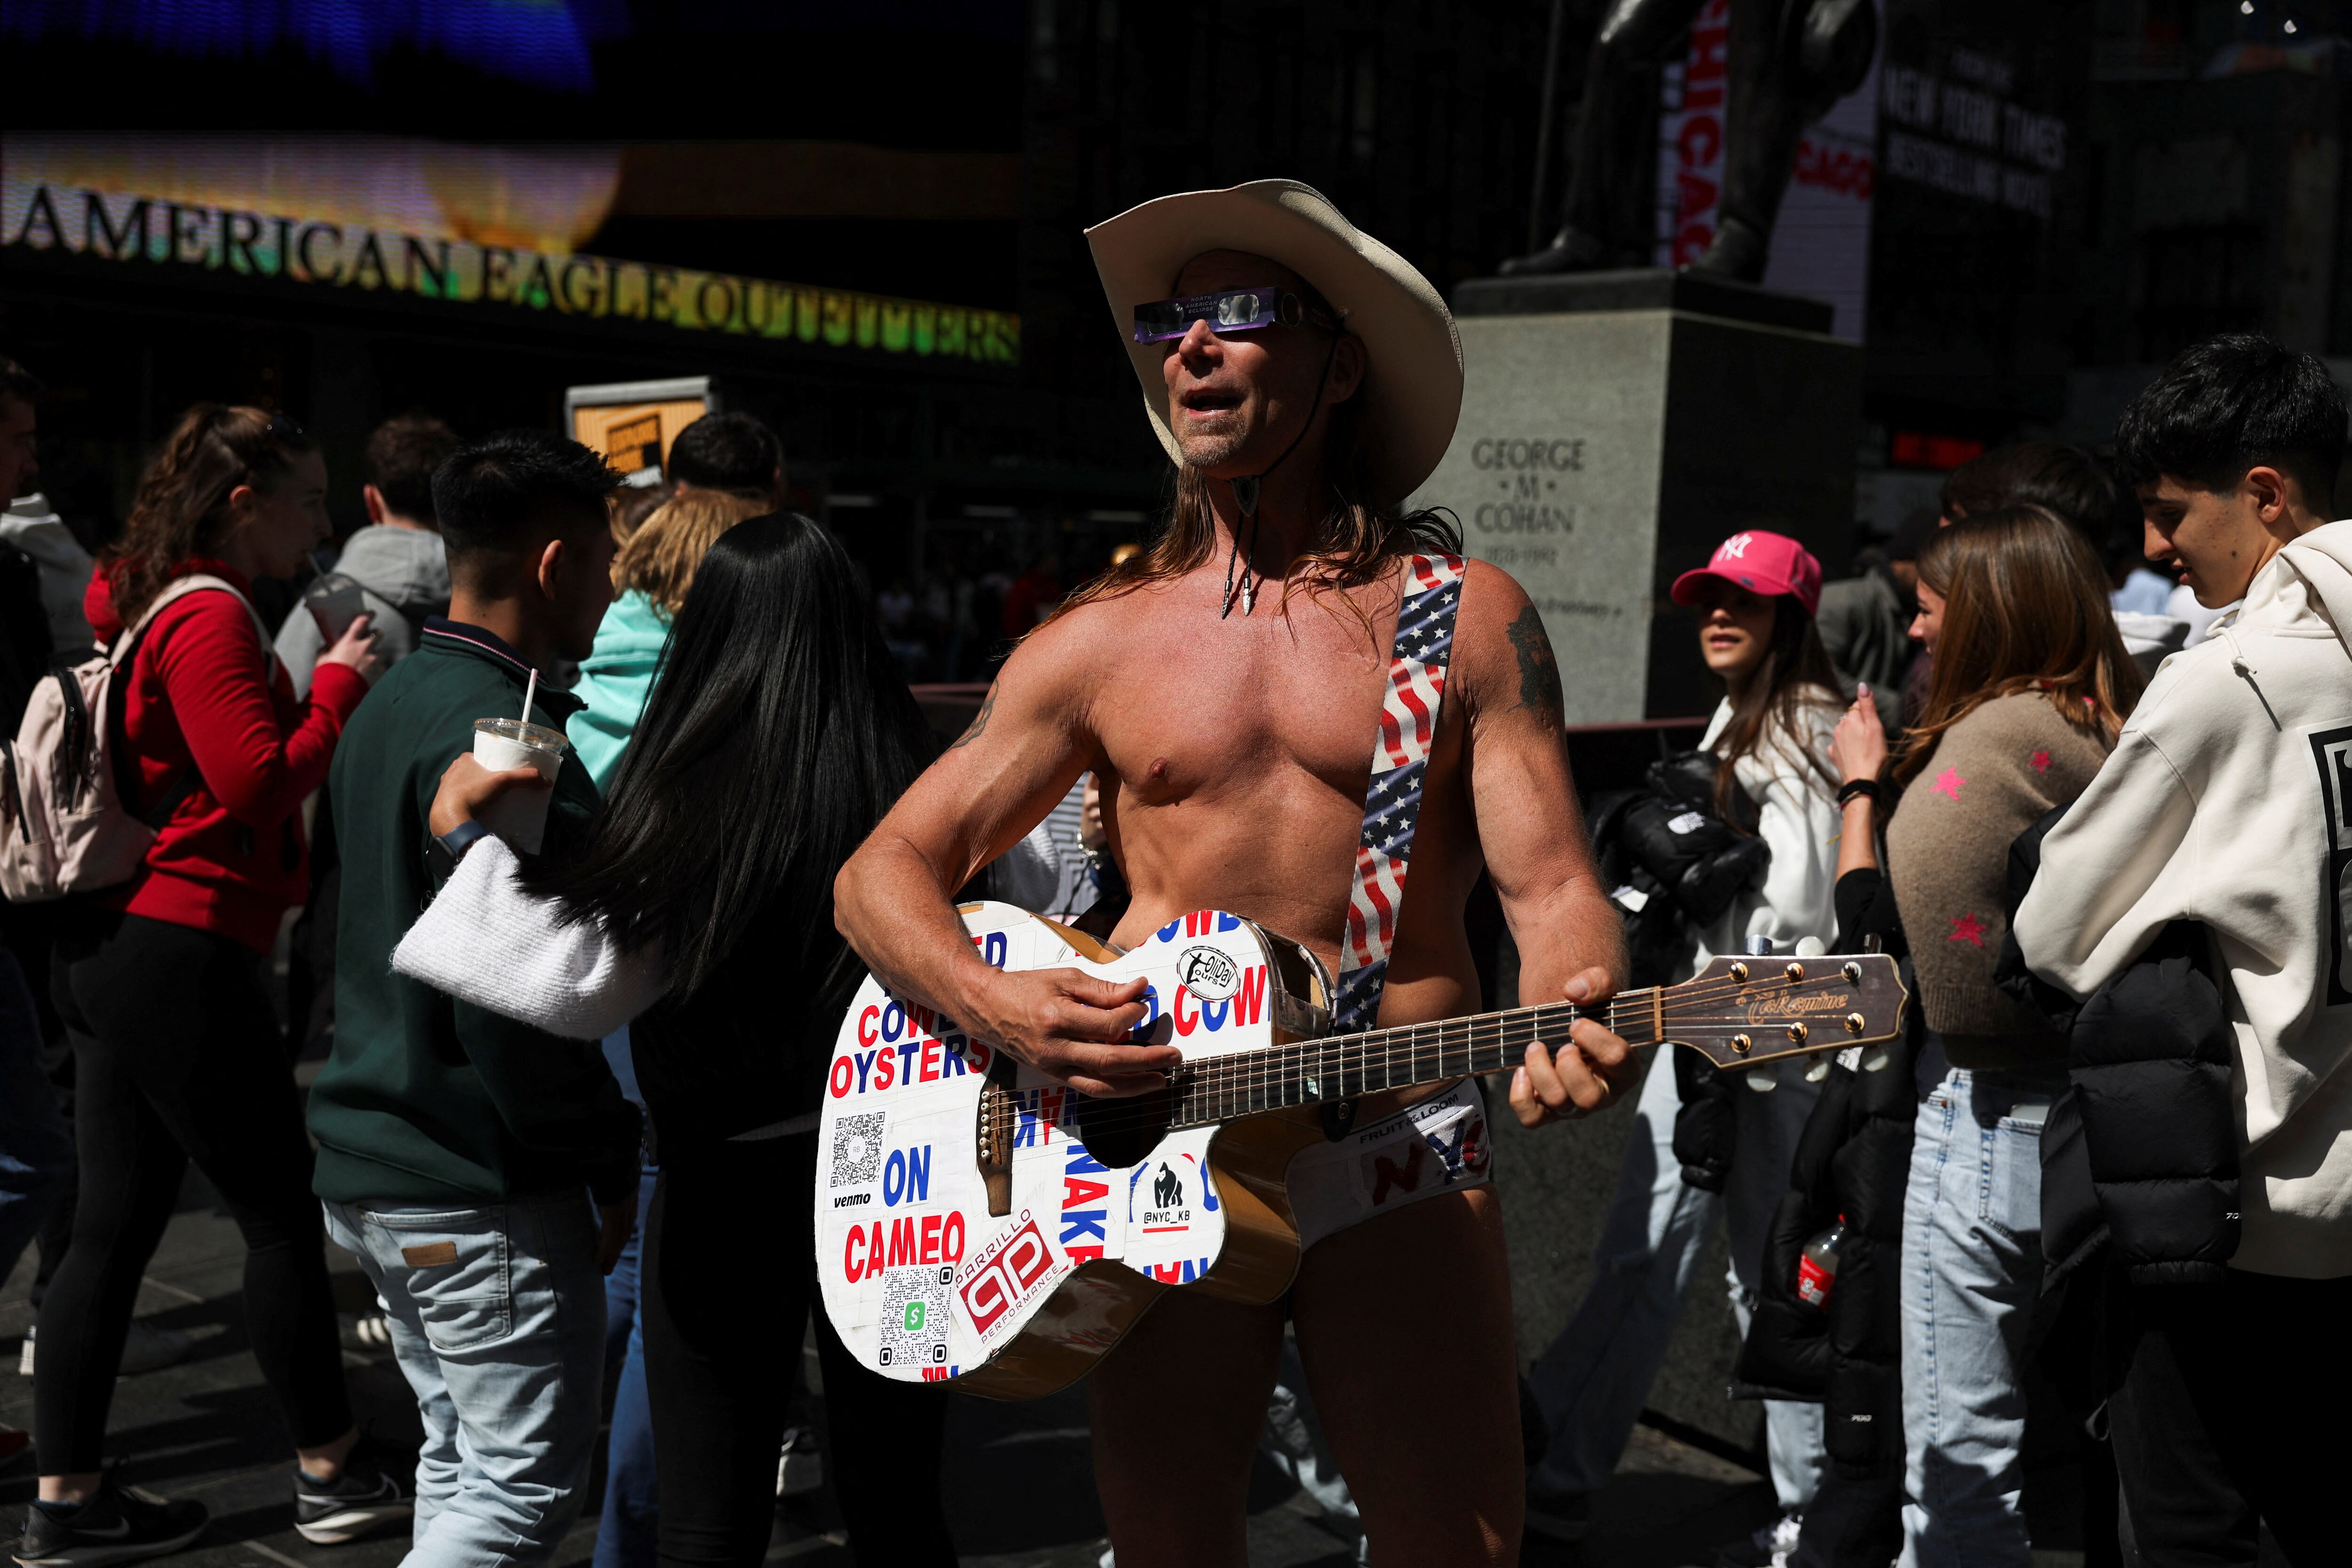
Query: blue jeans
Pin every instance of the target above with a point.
(36, 1154)
(498, 1320)
(1971, 1270)
(625, 1534)
(1592, 1381)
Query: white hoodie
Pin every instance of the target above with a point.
(2229, 800)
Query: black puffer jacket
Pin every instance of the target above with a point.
(1675, 865)
(2140, 1155)
(1854, 1160)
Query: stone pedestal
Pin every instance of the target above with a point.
(1616, 427)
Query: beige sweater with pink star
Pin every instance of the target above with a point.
(1990, 777)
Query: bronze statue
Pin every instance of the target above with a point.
(1790, 61)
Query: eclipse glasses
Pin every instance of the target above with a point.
(1233, 311)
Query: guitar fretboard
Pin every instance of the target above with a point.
(1307, 1073)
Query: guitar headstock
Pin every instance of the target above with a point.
(1739, 1012)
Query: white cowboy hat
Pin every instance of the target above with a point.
(1412, 392)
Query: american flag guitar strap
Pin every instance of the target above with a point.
(1416, 690)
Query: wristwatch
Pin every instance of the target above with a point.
(444, 851)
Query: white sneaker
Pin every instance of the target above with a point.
(25, 1356)
(1778, 1543)
(800, 1468)
(367, 1332)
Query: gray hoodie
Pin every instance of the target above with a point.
(2228, 800)
(30, 526)
(403, 577)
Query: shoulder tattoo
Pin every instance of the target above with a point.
(979, 721)
(1538, 671)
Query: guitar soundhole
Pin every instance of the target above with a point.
(1120, 1132)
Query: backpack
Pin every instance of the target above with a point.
(63, 826)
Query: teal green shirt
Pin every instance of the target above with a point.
(427, 1100)
(613, 681)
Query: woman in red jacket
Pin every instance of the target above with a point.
(177, 1053)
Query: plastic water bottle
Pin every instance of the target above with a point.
(1817, 1267)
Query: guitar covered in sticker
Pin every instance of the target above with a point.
(977, 1221)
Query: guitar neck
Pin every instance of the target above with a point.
(1307, 1073)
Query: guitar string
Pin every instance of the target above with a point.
(1213, 1075)
(1213, 1079)
(1429, 1051)
(1642, 1008)
(1212, 1083)
(1637, 1006)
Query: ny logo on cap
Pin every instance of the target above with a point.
(1734, 548)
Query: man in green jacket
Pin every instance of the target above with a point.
(459, 1150)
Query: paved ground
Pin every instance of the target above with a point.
(1020, 1491)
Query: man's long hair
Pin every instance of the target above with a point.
(1362, 529)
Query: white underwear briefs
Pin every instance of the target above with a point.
(1425, 1150)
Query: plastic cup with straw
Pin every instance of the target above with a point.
(519, 816)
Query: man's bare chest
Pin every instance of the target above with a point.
(1218, 712)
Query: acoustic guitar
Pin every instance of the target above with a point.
(980, 1223)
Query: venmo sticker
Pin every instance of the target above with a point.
(857, 1158)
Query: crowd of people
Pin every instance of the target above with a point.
(1967, 755)
(571, 780)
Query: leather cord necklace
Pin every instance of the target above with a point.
(1246, 496)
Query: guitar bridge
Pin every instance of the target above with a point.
(992, 1138)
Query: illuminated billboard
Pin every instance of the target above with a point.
(476, 228)
(542, 42)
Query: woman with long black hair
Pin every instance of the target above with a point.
(777, 734)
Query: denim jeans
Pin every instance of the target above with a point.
(36, 1156)
(498, 1320)
(626, 1534)
(1593, 1380)
(1971, 1268)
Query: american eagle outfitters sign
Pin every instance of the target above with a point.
(118, 226)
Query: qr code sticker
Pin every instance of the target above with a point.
(914, 1316)
(857, 1148)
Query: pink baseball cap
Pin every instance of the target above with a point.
(1766, 563)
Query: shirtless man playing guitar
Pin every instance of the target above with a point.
(1224, 685)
